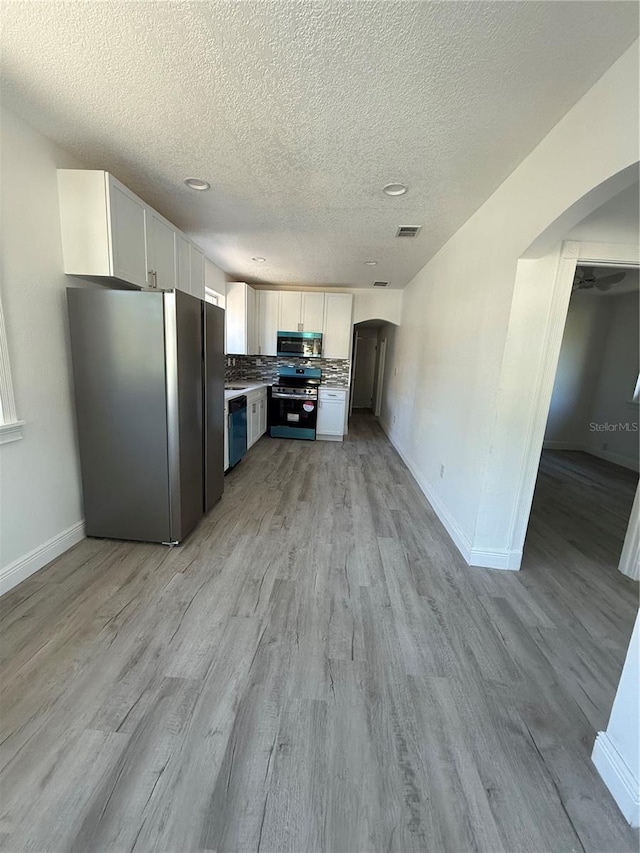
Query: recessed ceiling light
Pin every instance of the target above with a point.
(259, 260)
(370, 263)
(394, 189)
(197, 184)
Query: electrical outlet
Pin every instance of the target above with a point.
(394, 419)
(442, 472)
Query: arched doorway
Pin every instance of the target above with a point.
(368, 369)
(537, 319)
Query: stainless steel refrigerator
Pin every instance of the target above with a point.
(148, 372)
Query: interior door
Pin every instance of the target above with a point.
(364, 373)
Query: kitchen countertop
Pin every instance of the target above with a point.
(249, 386)
(253, 386)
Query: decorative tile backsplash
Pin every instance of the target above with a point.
(335, 371)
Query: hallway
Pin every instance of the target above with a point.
(316, 669)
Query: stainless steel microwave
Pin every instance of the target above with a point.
(300, 344)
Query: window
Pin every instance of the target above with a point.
(10, 426)
(636, 393)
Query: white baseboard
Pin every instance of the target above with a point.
(607, 455)
(560, 445)
(498, 559)
(21, 568)
(485, 559)
(618, 778)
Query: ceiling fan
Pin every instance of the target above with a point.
(585, 279)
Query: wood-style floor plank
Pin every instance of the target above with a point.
(316, 669)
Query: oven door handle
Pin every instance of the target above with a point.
(293, 397)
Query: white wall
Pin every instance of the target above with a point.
(617, 221)
(616, 753)
(596, 376)
(377, 305)
(41, 512)
(583, 344)
(469, 342)
(616, 383)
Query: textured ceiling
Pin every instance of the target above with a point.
(299, 112)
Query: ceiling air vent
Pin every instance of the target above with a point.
(380, 283)
(408, 230)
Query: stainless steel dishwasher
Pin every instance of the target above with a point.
(237, 429)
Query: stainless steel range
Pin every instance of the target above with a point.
(293, 406)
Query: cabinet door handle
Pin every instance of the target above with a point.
(154, 278)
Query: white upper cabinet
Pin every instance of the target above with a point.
(312, 312)
(110, 233)
(196, 276)
(336, 332)
(128, 233)
(301, 312)
(103, 227)
(252, 322)
(293, 311)
(268, 321)
(161, 244)
(290, 311)
(240, 319)
(184, 263)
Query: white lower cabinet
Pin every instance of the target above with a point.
(331, 413)
(263, 414)
(253, 422)
(256, 415)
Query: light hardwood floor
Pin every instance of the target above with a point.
(316, 669)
